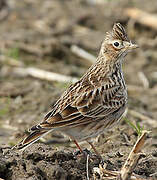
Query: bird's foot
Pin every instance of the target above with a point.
(84, 153)
(93, 157)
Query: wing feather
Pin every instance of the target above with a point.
(91, 105)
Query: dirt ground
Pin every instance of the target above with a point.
(40, 34)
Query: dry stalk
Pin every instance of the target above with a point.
(83, 54)
(42, 74)
(142, 17)
(126, 172)
(144, 80)
(87, 167)
(133, 157)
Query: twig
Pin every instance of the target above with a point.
(83, 54)
(148, 120)
(87, 165)
(133, 157)
(144, 80)
(153, 174)
(126, 172)
(94, 2)
(42, 74)
(142, 17)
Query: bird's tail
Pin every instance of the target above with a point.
(30, 139)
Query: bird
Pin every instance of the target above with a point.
(94, 103)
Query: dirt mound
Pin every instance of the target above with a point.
(44, 162)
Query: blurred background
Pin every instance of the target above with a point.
(46, 45)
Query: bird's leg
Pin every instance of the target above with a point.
(84, 152)
(95, 150)
(78, 146)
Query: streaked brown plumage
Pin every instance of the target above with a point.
(96, 102)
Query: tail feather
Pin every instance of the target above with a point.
(33, 137)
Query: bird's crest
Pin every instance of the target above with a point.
(118, 32)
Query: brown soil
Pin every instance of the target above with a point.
(39, 34)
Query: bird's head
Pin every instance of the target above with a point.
(116, 44)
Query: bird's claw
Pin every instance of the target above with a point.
(85, 152)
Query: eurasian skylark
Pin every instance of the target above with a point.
(94, 103)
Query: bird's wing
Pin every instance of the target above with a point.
(83, 104)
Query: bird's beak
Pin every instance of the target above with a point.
(132, 46)
(129, 46)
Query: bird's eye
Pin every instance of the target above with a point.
(116, 44)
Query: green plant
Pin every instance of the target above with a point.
(5, 110)
(13, 53)
(136, 127)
